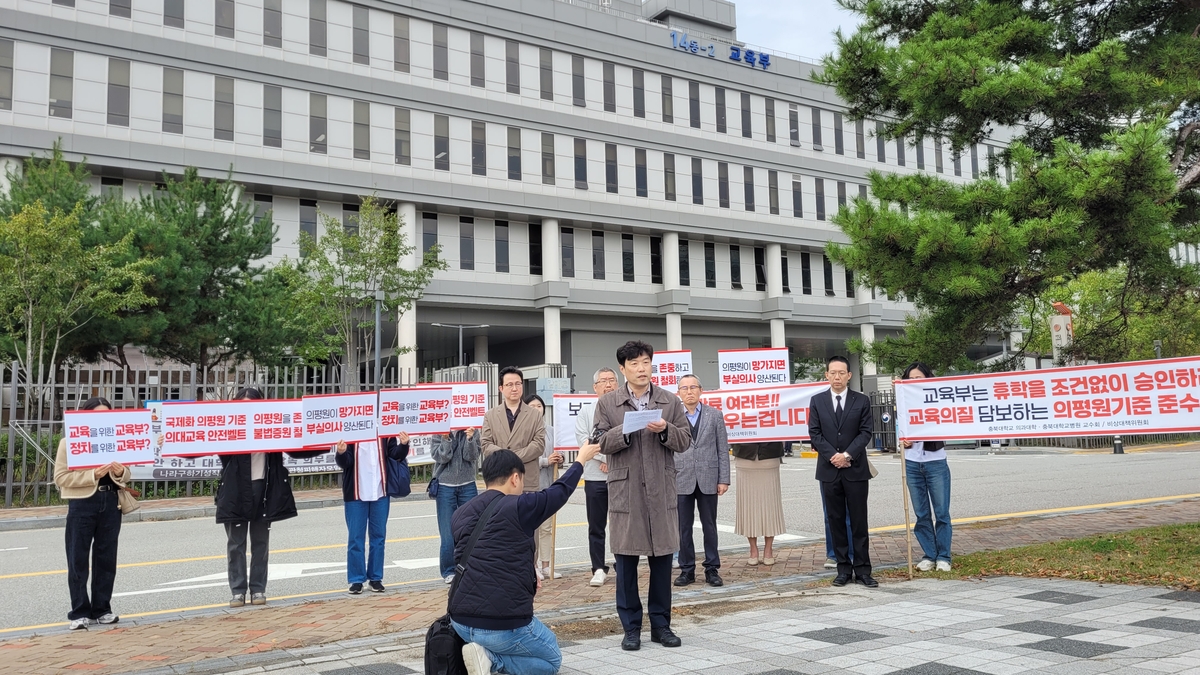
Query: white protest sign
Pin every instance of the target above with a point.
(415, 411)
(567, 408)
(469, 401)
(765, 414)
(754, 368)
(329, 418)
(667, 367)
(195, 428)
(99, 437)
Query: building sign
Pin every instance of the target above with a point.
(668, 367)
(749, 57)
(748, 368)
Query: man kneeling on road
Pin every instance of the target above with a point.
(492, 603)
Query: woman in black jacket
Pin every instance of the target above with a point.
(254, 492)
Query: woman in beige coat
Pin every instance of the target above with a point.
(93, 526)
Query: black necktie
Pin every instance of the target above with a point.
(837, 410)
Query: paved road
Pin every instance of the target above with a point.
(173, 565)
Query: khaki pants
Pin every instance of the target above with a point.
(545, 542)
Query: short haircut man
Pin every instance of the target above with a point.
(701, 477)
(513, 425)
(632, 350)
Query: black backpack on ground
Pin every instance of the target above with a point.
(443, 646)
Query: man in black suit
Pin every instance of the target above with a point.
(839, 424)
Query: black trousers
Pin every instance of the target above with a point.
(842, 496)
(259, 533)
(629, 603)
(595, 493)
(93, 526)
(707, 505)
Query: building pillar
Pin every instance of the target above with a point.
(552, 271)
(406, 327)
(481, 349)
(774, 260)
(670, 260)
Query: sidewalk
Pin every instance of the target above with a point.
(227, 640)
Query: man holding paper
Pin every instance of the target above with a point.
(642, 427)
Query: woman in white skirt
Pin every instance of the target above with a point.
(759, 497)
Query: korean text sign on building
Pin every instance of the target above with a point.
(197, 428)
(1140, 397)
(567, 408)
(765, 414)
(469, 400)
(416, 412)
(668, 367)
(330, 418)
(99, 437)
(750, 368)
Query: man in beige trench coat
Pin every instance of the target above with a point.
(642, 505)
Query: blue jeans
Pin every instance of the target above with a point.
(530, 650)
(829, 554)
(929, 482)
(363, 518)
(448, 500)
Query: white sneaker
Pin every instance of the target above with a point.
(598, 578)
(830, 564)
(477, 660)
(80, 624)
(943, 566)
(925, 565)
(675, 563)
(538, 570)
(449, 579)
(108, 618)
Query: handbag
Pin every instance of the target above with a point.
(443, 644)
(127, 500)
(432, 488)
(871, 468)
(399, 477)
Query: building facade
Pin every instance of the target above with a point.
(592, 171)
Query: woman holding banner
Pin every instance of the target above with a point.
(455, 456)
(93, 526)
(366, 475)
(549, 458)
(928, 478)
(759, 497)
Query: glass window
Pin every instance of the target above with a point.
(828, 276)
(639, 93)
(816, 129)
(770, 120)
(173, 13)
(172, 101)
(805, 273)
(957, 159)
(900, 151)
(760, 268)
(685, 263)
(747, 132)
(797, 199)
(6, 74)
(860, 140)
(920, 147)
(262, 207)
(773, 192)
(627, 257)
(225, 10)
(441, 143)
(273, 23)
(723, 184)
(656, 276)
(974, 161)
(748, 181)
(512, 66)
(514, 153)
(820, 199)
(350, 219)
(477, 76)
(441, 53)
(362, 130)
(862, 191)
(694, 104)
(118, 90)
(577, 82)
(62, 84)
(697, 181)
(669, 176)
(568, 252)
(501, 231)
(546, 73)
(400, 55)
(318, 124)
(721, 128)
(223, 109)
(849, 283)
(841, 194)
(362, 35)
(668, 100)
(839, 144)
(581, 180)
(120, 8)
(880, 143)
(466, 243)
(403, 136)
(735, 267)
(610, 167)
(610, 88)
(429, 231)
(639, 161)
(308, 218)
(535, 248)
(937, 154)
(478, 148)
(272, 116)
(547, 159)
(598, 254)
(710, 265)
(316, 27)
(794, 125)
(783, 270)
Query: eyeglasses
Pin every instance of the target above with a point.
(610, 380)
(690, 388)
(838, 373)
(511, 385)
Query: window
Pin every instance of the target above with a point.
(957, 159)
(581, 181)
(797, 199)
(841, 194)
(350, 219)
(118, 89)
(610, 167)
(568, 252)
(316, 27)
(362, 130)
(694, 104)
(685, 263)
(639, 93)
(747, 132)
(429, 231)
(400, 50)
(6, 74)
(547, 159)
(860, 140)
(224, 18)
(173, 13)
(697, 181)
(805, 273)
(773, 192)
(639, 172)
(723, 184)
(273, 23)
(223, 109)
(794, 125)
(477, 79)
(668, 100)
(862, 191)
(172, 101)
(441, 53)
(610, 88)
(849, 283)
(598, 254)
(120, 8)
(466, 243)
(116, 187)
(441, 143)
(546, 73)
(828, 276)
(362, 35)
(479, 148)
(627, 257)
(783, 270)
(735, 267)
(820, 199)
(880, 143)
(770, 120)
(535, 248)
(991, 161)
(62, 84)
(577, 82)
(669, 176)
(514, 153)
(920, 146)
(721, 128)
(839, 145)
(974, 161)
(937, 154)
(710, 265)
(748, 181)
(760, 268)
(272, 116)
(403, 125)
(512, 66)
(318, 124)
(656, 275)
(501, 231)
(308, 219)
(64, 3)
(816, 129)
(900, 151)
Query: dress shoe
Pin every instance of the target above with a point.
(685, 579)
(841, 580)
(713, 579)
(866, 580)
(632, 641)
(665, 637)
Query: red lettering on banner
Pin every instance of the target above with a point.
(322, 428)
(356, 411)
(133, 444)
(390, 406)
(132, 429)
(79, 447)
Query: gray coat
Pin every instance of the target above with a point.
(706, 461)
(642, 505)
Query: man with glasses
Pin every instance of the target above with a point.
(595, 478)
(515, 426)
(702, 475)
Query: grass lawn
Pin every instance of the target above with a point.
(1154, 556)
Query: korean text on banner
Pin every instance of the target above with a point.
(567, 408)
(416, 412)
(197, 428)
(765, 414)
(753, 368)
(329, 418)
(99, 437)
(1139, 397)
(668, 367)
(470, 400)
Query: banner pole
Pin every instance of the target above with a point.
(553, 533)
(904, 498)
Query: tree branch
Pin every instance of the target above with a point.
(1181, 144)
(1189, 179)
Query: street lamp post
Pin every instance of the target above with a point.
(460, 327)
